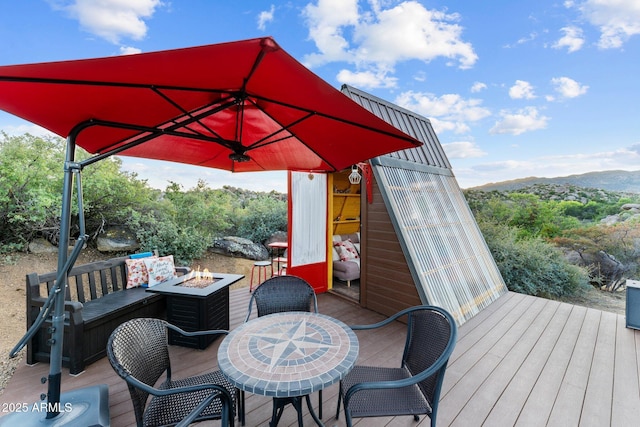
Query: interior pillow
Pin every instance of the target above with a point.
(137, 274)
(335, 254)
(160, 269)
(346, 250)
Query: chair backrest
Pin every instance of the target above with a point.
(138, 348)
(431, 337)
(283, 293)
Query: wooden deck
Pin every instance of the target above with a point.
(523, 361)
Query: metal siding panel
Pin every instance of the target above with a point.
(430, 153)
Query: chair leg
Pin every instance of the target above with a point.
(240, 405)
(320, 404)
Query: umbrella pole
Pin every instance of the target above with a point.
(55, 362)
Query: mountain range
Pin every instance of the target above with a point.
(616, 180)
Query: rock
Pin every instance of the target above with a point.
(239, 247)
(42, 246)
(117, 239)
(630, 206)
(610, 220)
(278, 236)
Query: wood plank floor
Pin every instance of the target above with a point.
(523, 361)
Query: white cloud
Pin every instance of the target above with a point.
(447, 112)
(617, 20)
(128, 50)
(111, 20)
(568, 88)
(159, 173)
(410, 31)
(478, 86)
(521, 90)
(264, 17)
(525, 120)
(366, 79)
(573, 39)
(26, 127)
(625, 158)
(380, 38)
(463, 150)
(326, 22)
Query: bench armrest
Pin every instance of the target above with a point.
(70, 306)
(181, 271)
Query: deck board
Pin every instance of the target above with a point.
(521, 361)
(626, 387)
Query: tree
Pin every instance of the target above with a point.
(609, 252)
(30, 188)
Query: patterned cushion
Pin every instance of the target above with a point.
(160, 269)
(346, 250)
(136, 273)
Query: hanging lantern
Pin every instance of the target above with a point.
(355, 177)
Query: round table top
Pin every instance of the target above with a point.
(288, 354)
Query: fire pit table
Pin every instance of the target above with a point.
(197, 302)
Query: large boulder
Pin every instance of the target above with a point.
(239, 247)
(633, 207)
(42, 246)
(117, 239)
(278, 236)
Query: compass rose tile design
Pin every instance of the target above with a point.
(288, 354)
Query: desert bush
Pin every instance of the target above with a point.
(531, 265)
(261, 217)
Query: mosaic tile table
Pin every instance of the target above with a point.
(288, 356)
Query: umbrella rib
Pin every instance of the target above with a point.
(153, 132)
(195, 89)
(185, 112)
(171, 129)
(341, 120)
(262, 143)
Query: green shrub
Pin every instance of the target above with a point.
(30, 188)
(157, 232)
(532, 266)
(261, 217)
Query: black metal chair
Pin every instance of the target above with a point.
(139, 353)
(412, 389)
(281, 294)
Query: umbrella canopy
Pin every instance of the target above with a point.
(239, 106)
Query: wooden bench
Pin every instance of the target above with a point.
(97, 301)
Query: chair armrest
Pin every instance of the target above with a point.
(217, 391)
(406, 382)
(387, 320)
(197, 333)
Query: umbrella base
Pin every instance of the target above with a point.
(82, 407)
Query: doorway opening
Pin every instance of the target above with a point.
(345, 235)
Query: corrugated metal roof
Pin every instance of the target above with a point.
(431, 153)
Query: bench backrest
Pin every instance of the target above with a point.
(86, 282)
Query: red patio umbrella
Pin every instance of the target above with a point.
(240, 106)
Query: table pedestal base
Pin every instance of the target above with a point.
(280, 402)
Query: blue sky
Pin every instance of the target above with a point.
(513, 88)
